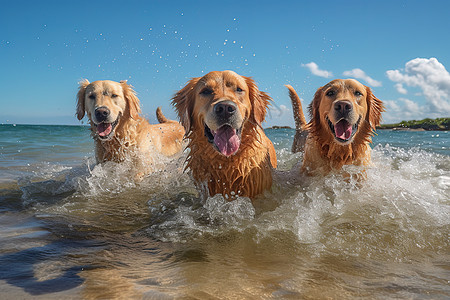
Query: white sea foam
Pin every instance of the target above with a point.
(378, 237)
(401, 208)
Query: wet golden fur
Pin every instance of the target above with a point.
(323, 152)
(248, 172)
(132, 136)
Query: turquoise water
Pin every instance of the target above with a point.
(69, 228)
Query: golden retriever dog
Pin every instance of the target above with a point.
(229, 154)
(344, 115)
(119, 131)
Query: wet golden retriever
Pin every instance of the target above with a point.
(119, 131)
(344, 114)
(230, 154)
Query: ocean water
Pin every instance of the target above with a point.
(71, 229)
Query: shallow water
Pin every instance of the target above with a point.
(71, 229)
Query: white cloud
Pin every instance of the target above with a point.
(279, 115)
(360, 74)
(402, 109)
(280, 111)
(391, 105)
(314, 68)
(401, 89)
(411, 107)
(432, 78)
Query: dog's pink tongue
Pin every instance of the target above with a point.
(104, 129)
(227, 141)
(343, 130)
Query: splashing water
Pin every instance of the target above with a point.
(105, 235)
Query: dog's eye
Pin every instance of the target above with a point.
(92, 96)
(206, 91)
(331, 93)
(114, 96)
(239, 90)
(358, 94)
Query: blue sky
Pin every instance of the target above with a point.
(399, 48)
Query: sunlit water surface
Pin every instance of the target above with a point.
(70, 229)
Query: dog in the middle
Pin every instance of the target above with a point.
(229, 154)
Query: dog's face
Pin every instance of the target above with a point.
(343, 106)
(105, 102)
(220, 103)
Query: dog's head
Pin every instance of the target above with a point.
(342, 109)
(106, 102)
(220, 104)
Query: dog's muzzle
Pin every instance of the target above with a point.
(227, 137)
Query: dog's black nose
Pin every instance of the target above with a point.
(101, 113)
(343, 107)
(225, 108)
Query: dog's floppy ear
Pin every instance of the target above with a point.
(314, 108)
(131, 99)
(260, 101)
(183, 101)
(374, 109)
(80, 98)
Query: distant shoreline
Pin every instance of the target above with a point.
(279, 127)
(439, 124)
(55, 125)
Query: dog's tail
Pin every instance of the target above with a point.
(301, 130)
(160, 116)
(299, 116)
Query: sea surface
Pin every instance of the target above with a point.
(70, 229)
